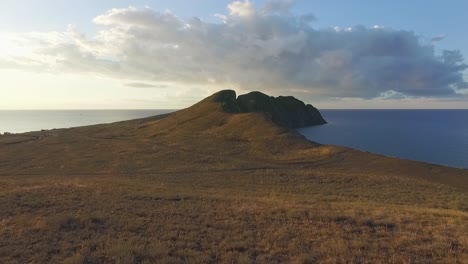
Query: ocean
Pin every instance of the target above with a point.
(33, 120)
(435, 136)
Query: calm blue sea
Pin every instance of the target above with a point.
(435, 136)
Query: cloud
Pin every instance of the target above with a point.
(145, 85)
(278, 6)
(438, 38)
(274, 51)
(242, 9)
(392, 95)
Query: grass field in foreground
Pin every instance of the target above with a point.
(205, 186)
(262, 216)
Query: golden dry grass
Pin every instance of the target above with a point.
(263, 216)
(205, 186)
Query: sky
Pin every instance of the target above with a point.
(169, 54)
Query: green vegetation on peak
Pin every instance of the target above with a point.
(227, 98)
(286, 111)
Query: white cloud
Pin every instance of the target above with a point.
(242, 9)
(272, 52)
(223, 18)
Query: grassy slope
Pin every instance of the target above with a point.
(205, 186)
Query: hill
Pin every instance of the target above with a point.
(226, 180)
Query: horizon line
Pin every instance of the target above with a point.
(174, 109)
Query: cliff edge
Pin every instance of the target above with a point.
(286, 111)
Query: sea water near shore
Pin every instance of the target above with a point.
(435, 136)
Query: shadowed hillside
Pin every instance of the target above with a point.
(226, 180)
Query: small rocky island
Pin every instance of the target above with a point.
(286, 111)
